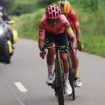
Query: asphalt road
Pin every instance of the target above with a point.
(22, 82)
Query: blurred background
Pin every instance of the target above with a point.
(91, 16)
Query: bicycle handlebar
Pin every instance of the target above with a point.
(58, 47)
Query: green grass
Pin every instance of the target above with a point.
(94, 44)
(91, 23)
(27, 25)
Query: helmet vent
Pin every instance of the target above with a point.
(52, 8)
(56, 14)
(50, 15)
(56, 9)
(53, 14)
(59, 12)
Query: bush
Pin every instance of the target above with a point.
(89, 5)
(45, 3)
(27, 25)
(18, 7)
(22, 8)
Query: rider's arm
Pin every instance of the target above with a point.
(41, 39)
(41, 44)
(70, 32)
(72, 36)
(41, 34)
(76, 25)
(78, 34)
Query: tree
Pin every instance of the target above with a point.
(11, 5)
(45, 2)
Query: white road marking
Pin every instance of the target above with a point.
(20, 87)
(18, 99)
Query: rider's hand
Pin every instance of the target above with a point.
(74, 52)
(80, 46)
(42, 54)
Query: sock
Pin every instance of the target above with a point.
(50, 69)
(76, 72)
(66, 75)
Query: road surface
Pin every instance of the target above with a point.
(22, 82)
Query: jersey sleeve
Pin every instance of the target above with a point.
(75, 20)
(68, 28)
(42, 29)
(66, 23)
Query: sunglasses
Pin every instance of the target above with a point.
(52, 21)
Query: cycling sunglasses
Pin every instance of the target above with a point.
(51, 21)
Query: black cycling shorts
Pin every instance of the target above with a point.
(59, 39)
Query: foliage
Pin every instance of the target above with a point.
(11, 6)
(22, 7)
(27, 24)
(94, 44)
(45, 3)
(18, 7)
(88, 5)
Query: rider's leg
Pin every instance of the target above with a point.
(64, 58)
(78, 82)
(75, 64)
(50, 57)
(50, 62)
(62, 40)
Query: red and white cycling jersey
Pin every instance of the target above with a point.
(72, 18)
(45, 26)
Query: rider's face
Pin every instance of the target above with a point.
(54, 22)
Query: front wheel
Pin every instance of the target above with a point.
(72, 77)
(59, 83)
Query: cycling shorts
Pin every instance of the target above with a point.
(59, 40)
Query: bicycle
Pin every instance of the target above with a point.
(58, 84)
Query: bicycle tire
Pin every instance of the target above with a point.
(60, 86)
(71, 77)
